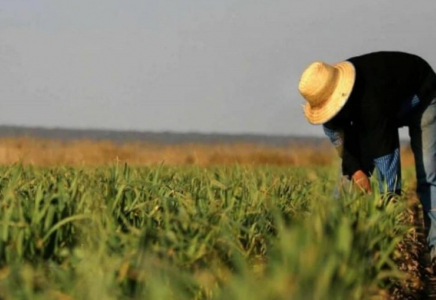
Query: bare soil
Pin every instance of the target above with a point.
(413, 259)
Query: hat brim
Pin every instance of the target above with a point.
(337, 99)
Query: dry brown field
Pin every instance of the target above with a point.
(46, 152)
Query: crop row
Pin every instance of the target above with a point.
(192, 233)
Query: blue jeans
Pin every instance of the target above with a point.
(422, 132)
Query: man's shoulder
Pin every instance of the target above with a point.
(381, 57)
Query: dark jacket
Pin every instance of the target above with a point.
(387, 83)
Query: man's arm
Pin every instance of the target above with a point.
(351, 167)
(382, 144)
(350, 164)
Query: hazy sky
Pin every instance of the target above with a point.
(187, 65)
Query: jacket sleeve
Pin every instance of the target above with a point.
(338, 136)
(381, 142)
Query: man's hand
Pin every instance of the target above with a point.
(362, 181)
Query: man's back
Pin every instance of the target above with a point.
(389, 78)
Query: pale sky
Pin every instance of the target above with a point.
(227, 66)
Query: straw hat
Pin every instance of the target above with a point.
(326, 89)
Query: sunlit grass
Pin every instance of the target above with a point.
(193, 233)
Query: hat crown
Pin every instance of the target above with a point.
(317, 83)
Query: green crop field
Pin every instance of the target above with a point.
(195, 233)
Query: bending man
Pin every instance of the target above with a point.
(361, 102)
